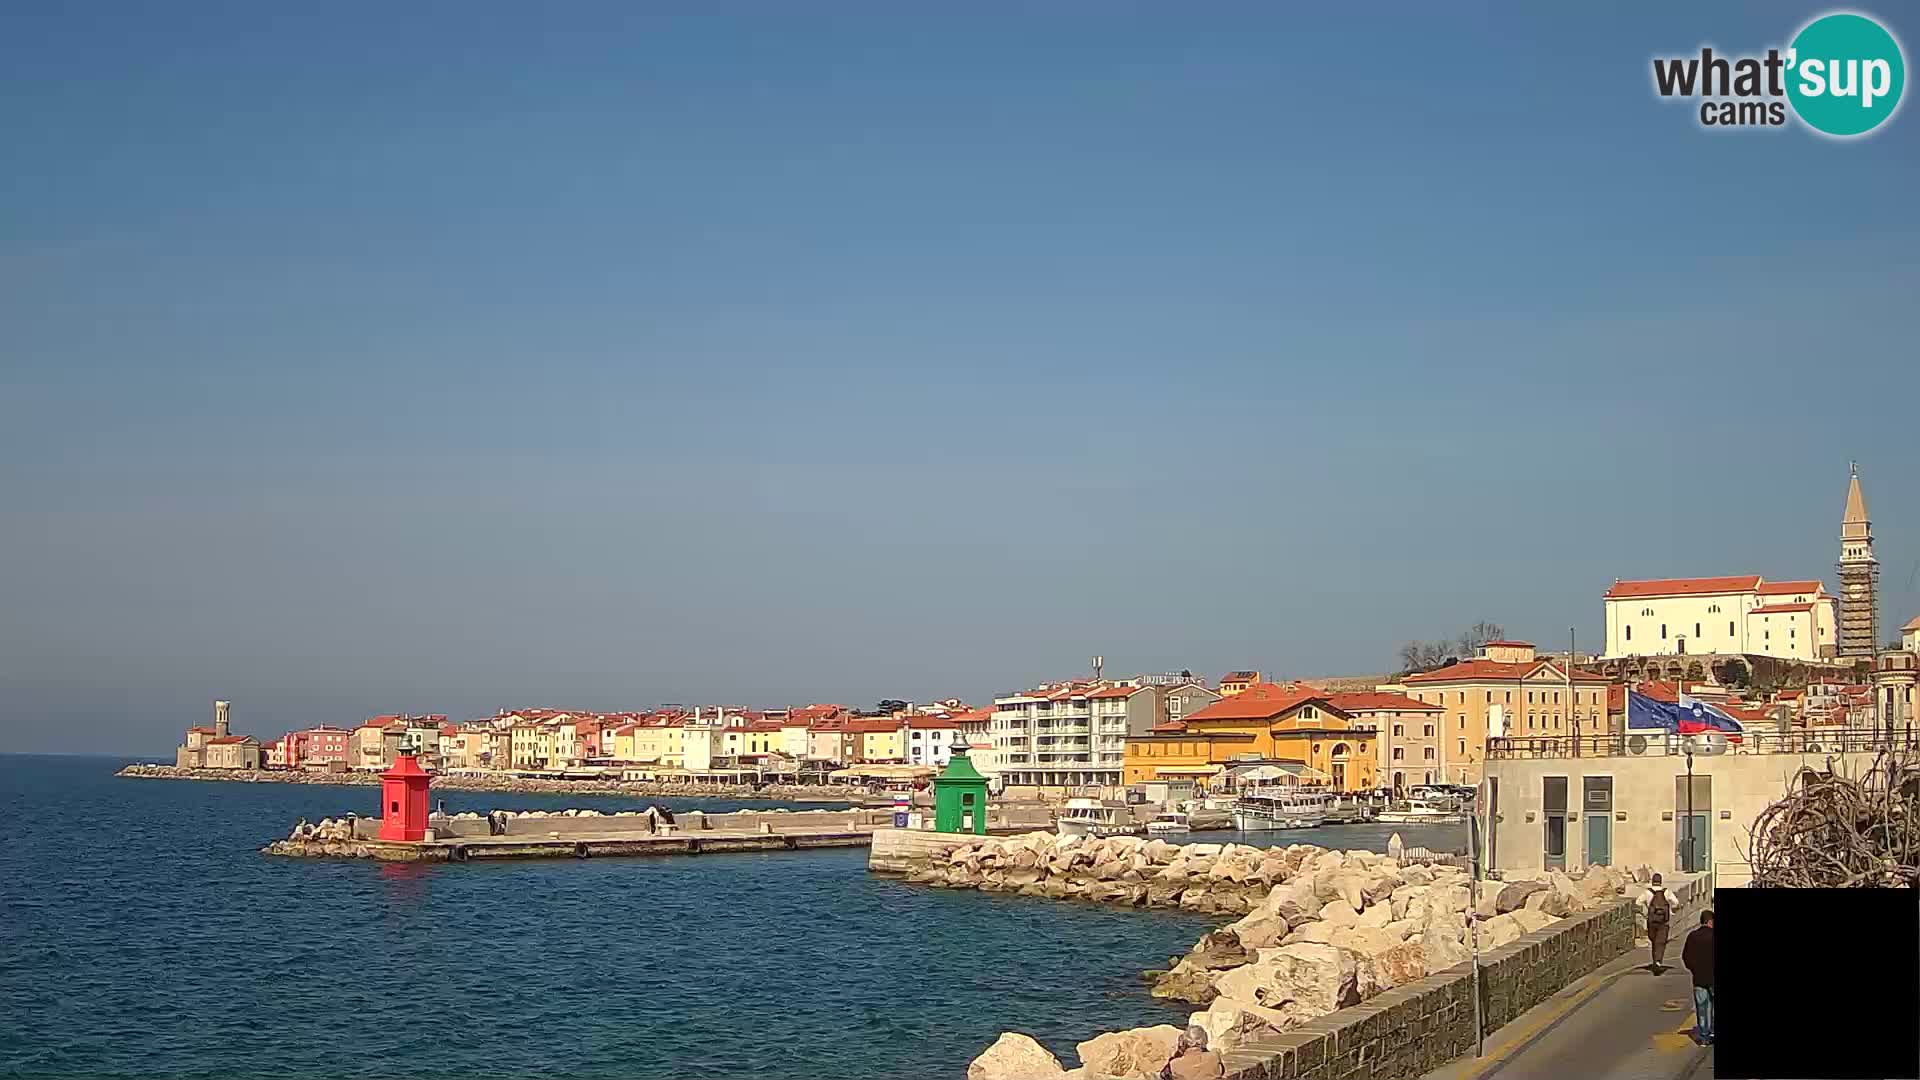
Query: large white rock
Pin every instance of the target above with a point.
(1376, 916)
(1138, 1054)
(1531, 920)
(1232, 1024)
(1443, 950)
(1339, 913)
(1499, 930)
(1296, 900)
(1014, 1056)
(1300, 980)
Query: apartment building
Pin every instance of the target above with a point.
(1070, 735)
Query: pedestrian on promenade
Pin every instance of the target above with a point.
(1697, 954)
(1659, 917)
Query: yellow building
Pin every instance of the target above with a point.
(652, 742)
(1295, 724)
(1509, 692)
(879, 739)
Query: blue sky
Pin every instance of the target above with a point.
(453, 356)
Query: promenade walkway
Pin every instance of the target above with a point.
(1621, 1023)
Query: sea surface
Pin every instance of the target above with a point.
(142, 933)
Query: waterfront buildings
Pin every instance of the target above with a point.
(1407, 735)
(1505, 691)
(930, 740)
(1075, 734)
(217, 747)
(1295, 726)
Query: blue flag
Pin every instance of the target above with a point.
(1649, 714)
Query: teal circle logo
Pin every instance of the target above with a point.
(1845, 74)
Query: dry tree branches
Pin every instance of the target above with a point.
(1841, 832)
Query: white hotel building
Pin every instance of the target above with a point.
(1794, 620)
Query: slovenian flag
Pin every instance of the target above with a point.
(1696, 716)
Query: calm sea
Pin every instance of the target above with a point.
(145, 935)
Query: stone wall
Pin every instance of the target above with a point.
(1411, 1030)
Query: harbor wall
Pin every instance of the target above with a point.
(639, 824)
(1411, 1030)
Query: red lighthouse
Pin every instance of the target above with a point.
(403, 800)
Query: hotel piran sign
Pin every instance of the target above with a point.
(1842, 76)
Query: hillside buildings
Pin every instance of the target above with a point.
(1795, 620)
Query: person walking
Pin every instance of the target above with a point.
(1659, 918)
(1697, 954)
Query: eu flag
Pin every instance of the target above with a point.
(1651, 714)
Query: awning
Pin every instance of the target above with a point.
(1272, 772)
(881, 772)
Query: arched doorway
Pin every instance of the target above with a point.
(1339, 769)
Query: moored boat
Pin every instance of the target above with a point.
(1169, 823)
(1092, 817)
(1279, 808)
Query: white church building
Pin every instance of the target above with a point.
(1794, 620)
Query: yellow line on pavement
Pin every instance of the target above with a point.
(1510, 1046)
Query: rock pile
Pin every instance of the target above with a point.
(1328, 930)
(1224, 879)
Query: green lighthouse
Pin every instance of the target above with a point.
(960, 796)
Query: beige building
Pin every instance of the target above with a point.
(1407, 744)
(1509, 691)
(1794, 620)
(1910, 636)
(1625, 800)
(1237, 682)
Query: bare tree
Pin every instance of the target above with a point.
(1417, 656)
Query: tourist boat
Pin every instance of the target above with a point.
(1286, 808)
(1092, 817)
(1432, 810)
(1169, 823)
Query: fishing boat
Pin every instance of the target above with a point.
(1279, 808)
(1092, 817)
(1169, 823)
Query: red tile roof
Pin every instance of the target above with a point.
(1260, 701)
(1780, 609)
(872, 725)
(1379, 701)
(1471, 670)
(1914, 625)
(1240, 676)
(228, 740)
(1167, 727)
(1778, 588)
(1699, 586)
(932, 723)
(1115, 692)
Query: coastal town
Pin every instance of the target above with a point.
(1789, 667)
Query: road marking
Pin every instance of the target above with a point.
(1675, 1005)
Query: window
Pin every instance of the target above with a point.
(1489, 697)
(1461, 699)
(1729, 629)
(1509, 697)
(1429, 753)
(1529, 697)
(1696, 629)
(1629, 631)
(1463, 748)
(1398, 731)
(1399, 754)
(1429, 731)
(1663, 631)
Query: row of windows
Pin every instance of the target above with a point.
(1400, 753)
(1460, 697)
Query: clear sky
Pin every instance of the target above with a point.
(444, 357)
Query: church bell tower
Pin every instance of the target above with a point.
(1859, 575)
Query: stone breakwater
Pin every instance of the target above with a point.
(782, 792)
(1319, 931)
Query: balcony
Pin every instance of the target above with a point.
(1809, 741)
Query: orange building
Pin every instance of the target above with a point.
(1266, 723)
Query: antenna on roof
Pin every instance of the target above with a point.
(1098, 663)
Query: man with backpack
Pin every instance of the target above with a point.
(1659, 919)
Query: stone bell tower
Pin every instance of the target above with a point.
(1859, 576)
(220, 730)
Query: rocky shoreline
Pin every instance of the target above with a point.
(1319, 930)
(826, 793)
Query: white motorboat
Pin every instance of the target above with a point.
(1431, 810)
(1350, 810)
(1091, 817)
(1169, 823)
(1279, 808)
